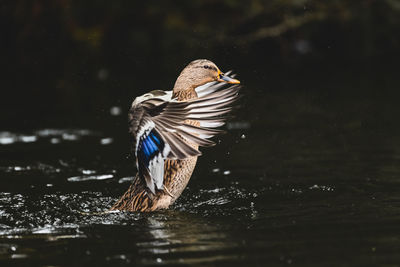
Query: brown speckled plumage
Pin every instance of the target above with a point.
(177, 172)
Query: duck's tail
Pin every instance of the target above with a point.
(139, 198)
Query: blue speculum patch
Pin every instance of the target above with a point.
(150, 146)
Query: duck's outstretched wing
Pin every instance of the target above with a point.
(158, 125)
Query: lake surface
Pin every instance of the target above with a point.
(308, 173)
(305, 177)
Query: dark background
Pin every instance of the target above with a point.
(64, 63)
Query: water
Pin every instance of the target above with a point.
(308, 173)
(309, 183)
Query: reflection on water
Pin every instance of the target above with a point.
(184, 238)
(300, 193)
(7, 138)
(164, 237)
(91, 177)
(54, 136)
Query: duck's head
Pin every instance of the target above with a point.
(199, 72)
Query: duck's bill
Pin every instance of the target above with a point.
(227, 79)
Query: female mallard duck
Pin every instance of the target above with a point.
(167, 127)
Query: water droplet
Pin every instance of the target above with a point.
(115, 111)
(54, 140)
(88, 172)
(302, 47)
(106, 141)
(321, 187)
(102, 75)
(227, 172)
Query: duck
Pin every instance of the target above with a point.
(167, 128)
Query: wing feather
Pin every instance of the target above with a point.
(160, 130)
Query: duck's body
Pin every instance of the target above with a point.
(167, 128)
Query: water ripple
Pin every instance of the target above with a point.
(90, 178)
(7, 138)
(54, 136)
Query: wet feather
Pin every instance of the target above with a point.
(157, 111)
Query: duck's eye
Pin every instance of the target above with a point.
(206, 67)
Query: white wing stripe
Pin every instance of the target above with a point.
(167, 118)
